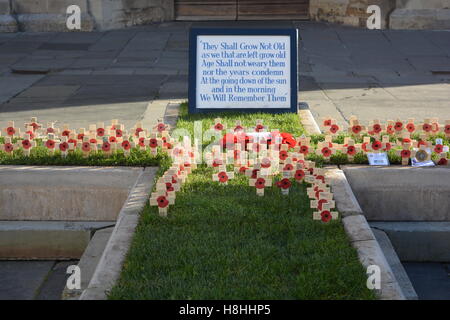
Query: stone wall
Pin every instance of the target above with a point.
(420, 14)
(7, 21)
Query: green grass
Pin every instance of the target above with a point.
(225, 242)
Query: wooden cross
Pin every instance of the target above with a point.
(317, 187)
(332, 127)
(390, 127)
(11, 131)
(238, 126)
(27, 143)
(386, 143)
(65, 131)
(447, 128)
(33, 123)
(427, 127)
(154, 142)
(162, 199)
(161, 127)
(260, 182)
(365, 144)
(285, 183)
(51, 128)
(304, 145)
(299, 173)
(324, 202)
(50, 143)
(287, 168)
(350, 148)
(126, 145)
(398, 126)
(223, 176)
(405, 153)
(375, 128)
(8, 146)
(259, 126)
(355, 127)
(410, 126)
(138, 129)
(324, 150)
(443, 160)
(86, 146)
(218, 126)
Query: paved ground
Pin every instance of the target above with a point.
(430, 280)
(33, 280)
(89, 77)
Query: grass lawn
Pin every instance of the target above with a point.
(225, 242)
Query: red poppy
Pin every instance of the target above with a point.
(31, 134)
(325, 216)
(254, 173)
(161, 127)
(406, 140)
(405, 153)
(74, 141)
(284, 183)
(283, 155)
(260, 183)
(174, 179)
(50, 130)
(238, 128)
(351, 150)
(242, 169)
(80, 136)
(390, 129)
(376, 128)
(65, 133)
(356, 129)
(86, 146)
(218, 127)
(63, 147)
(326, 152)
(442, 162)
(426, 127)
(320, 203)
(162, 202)
(334, 128)
(304, 149)
(435, 127)
(288, 139)
(222, 177)
(112, 139)
(265, 163)
(93, 141)
(438, 148)
(50, 144)
(377, 145)
(100, 132)
(317, 194)
(410, 127)
(136, 132)
(447, 129)
(388, 146)
(422, 143)
(126, 145)
(259, 128)
(119, 133)
(106, 146)
(167, 145)
(10, 131)
(288, 167)
(364, 146)
(169, 186)
(327, 123)
(26, 144)
(321, 178)
(236, 154)
(142, 142)
(299, 175)
(8, 147)
(398, 126)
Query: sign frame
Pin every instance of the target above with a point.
(195, 32)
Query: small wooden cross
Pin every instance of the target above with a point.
(223, 176)
(405, 153)
(299, 173)
(350, 148)
(11, 131)
(427, 127)
(390, 127)
(8, 146)
(285, 183)
(218, 125)
(154, 142)
(287, 168)
(161, 127)
(355, 127)
(50, 143)
(259, 126)
(137, 129)
(260, 182)
(324, 150)
(398, 127)
(375, 128)
(27, 143)
(33, 123)
(238, 126)
(162, 199)
(51, 128)
(443, 160)
(333, 128)
(410, 126)
(447, 128)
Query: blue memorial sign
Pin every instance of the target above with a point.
(243, 70)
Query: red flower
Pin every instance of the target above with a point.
(410, 127)
(356, 129)
(388, 146)
(106, 146)
(242, 169)
(284, 183)
(238, 128)
(398, 126)
(325, 216)
(364, 146)
(10, 131)
(169, 186)
(390, 129)
(442, 162)
(288, 167)
(167, 145)
(265, 163)
(304, 149)
(65, 133)
(50, 144)
(405, 153)
(334, 128)
(260, 183)
(259, 128)
(73, 141)
(26, 144)
(126, 145)
(376, 128)
(112, 139)
(327, 123)
(288, 139)
(218, 127)
(426, 127)
(299, 174)
(100, 132)
(63, 147)
(35, 126)
(254, 173)
(31, 134)
(321, 178)
(326, 152)
(161, 127)
(447, 129)
(438, 148)
(119, 133)
(80, 136)
(283, 155)
(162, 202)
(351, 150)
(50, 130)
(236, 154)
(320, 203)
(377, 145)
(136, 132)
(8, 147)
(142, 142)
(86, 146)
(223, 177)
